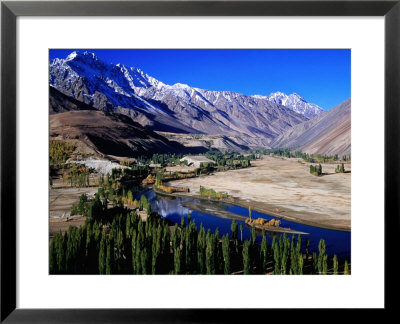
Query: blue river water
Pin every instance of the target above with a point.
(337, 242)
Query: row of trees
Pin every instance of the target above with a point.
(116, 241)
(340, 168)
(312, 158)
(212, 193)
(77, 175)
(230, 160)
(59, 152)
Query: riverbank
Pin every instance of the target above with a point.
(283, 188)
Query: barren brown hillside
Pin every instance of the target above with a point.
(328, 133)
(109, 134)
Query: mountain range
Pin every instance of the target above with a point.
(232, 118)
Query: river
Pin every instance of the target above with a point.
(219, 215)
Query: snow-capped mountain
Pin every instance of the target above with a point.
(296, 103)
(174, 108)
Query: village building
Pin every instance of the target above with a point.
(196, 160)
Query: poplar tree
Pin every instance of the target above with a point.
(246, 257)
(321, 250)
(346, 268)
(263, 254)
(300, 264)
(134, 251)
(177, 261)
(226, 254)
(201, 249)
(102, 254)
(144, 256)
(315, 262)
(253, 235)
(210, 253)
(234, 231)
(325, 264)
(108, 258)
(277, 265)
(335, 265)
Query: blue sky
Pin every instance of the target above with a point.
(322, 77)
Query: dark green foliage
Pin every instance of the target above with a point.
(210, 253)
(115, 240)
(322, 257)
(144, 203)
(82, 208)
(226, 254)
(263, 254)
(316, 170)
(340, 168)
(346, 268)
(335, 265)
(253, 235)
(201, 250)
(212, 193)
(246, 257)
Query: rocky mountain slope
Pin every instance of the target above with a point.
(106, 133)
(329, 133)
(169, 108)
(180, 116)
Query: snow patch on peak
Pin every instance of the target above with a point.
(296, 103)
(71, 56)
(259, 97)
(181, 86)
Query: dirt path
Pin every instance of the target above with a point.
(285, 188)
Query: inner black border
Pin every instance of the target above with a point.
(10, 10)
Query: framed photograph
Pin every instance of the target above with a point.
(176, 155)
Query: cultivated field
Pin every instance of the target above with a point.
(285, 188)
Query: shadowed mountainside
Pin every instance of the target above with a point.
(111, 134)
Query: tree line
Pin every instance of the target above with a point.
(116, 241)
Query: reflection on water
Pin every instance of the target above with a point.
(203, 212)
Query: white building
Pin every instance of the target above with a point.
(196, 160)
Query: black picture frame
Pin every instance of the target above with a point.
(10, 10)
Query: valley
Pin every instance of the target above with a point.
(284, 188)
(140, 171)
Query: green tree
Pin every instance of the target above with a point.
(277, 260)
(201, 250)
(253, 235)
(102, 254)
(246, 257)
(321, 255)
(226, 254)
(335, 265)
(177, 260)
(210, 253)
(300, 264)
(108, 258)
(263, 255)
(346, 268)
(234, 230)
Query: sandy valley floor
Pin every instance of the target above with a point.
(285, 188)
(61, 201)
